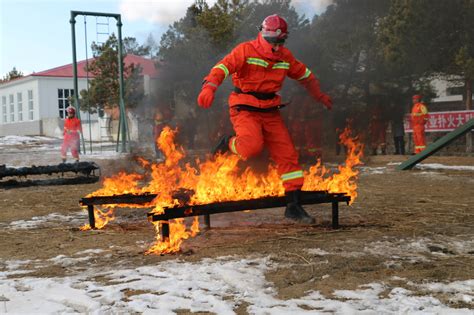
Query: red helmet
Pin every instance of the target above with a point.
(274, 29)
(416, 97)
(71, 110)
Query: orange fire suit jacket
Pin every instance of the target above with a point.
(254, 67)
(419, 114)
(71, 127)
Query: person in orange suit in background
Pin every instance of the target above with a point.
(258, 69)
(72, 128)
(419, 117)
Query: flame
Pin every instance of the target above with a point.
(102, 218)
(319, 178)
(216, 179)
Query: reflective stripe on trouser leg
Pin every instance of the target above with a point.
(282, 151)
(233, 147)
(419, 138)
(292, 178)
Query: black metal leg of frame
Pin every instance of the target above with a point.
(165, 231)
(90, 210)
(207, 221)
(335, 215)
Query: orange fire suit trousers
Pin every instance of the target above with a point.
(419, 137)
(71, 141)
(254, 130)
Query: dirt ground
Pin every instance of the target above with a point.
(378, 239)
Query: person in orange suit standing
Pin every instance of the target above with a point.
(419, 117)
(258, 69)
(72, 128)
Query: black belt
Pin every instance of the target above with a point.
(249, 108)
(258, 95)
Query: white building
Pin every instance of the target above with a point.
(36, 104)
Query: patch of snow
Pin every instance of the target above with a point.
(437, 166)
(211, 285)
(51, 219)
(373, 170)
(104, 155)
(419, 249)
(317, 251)
(19, 140)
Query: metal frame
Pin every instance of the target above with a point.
(123, 124)
(437, 145)
(307, 197)
(85, 169)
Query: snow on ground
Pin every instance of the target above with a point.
(102, 155)
(19, 140)
(437, 166)
(367, 170)
(50, 220)
(211, 285)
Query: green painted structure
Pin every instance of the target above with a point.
(437, 145)
(123, 135)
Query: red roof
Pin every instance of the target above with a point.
(148, 68)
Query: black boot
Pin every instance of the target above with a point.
(222, 146)
(294, 210)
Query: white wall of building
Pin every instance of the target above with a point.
(19, 107)
(46, 119)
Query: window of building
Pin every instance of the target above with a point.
(31, 113)
(4, 109)
(64, 97)
(19, 104)
(12, 108)
(455, 90)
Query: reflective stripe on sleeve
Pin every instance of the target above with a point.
(281, 65)
(306, 74)
(223, 68)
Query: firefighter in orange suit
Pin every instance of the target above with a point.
(258, 69)
(72, 128)
(419, 117)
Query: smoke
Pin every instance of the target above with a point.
(311, 7)
(155, 11)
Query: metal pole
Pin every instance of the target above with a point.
(207, 221)
(335, 215)
(165, 231)
(87, 82)
(90, 210)
(74, 69)
(123, 117)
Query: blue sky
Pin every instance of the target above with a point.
(35, 35)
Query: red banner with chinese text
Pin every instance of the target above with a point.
(442, 121)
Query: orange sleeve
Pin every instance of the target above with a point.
(298, 70)
(230, 64)
(78, 125)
